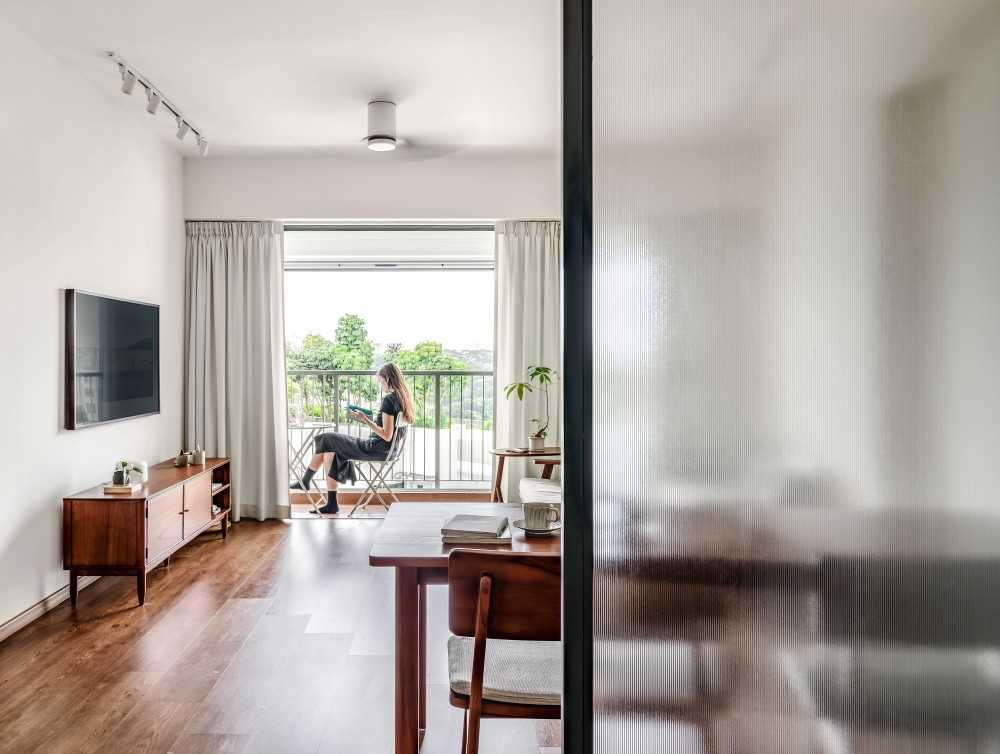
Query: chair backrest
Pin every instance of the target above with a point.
(398, 441)
(524, 594)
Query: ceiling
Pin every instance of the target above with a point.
(264, 77)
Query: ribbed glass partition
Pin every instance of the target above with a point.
(796, 412)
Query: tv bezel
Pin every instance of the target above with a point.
(70, 358)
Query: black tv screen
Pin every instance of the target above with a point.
(112, 359)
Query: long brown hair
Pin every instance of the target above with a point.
(398, 385)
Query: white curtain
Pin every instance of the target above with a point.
(234, 372)
(528, 334)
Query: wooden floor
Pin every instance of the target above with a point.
(277, 640)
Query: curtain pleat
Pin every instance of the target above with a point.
(234, 386)
(527, 334)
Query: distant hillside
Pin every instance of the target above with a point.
(479, 360)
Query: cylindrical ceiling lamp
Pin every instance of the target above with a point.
(381, 126)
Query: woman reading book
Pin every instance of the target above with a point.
(335, 450)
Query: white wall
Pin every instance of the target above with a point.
(372, 186)
(91, 199)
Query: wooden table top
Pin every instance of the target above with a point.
(162, 477)
(525, 453)
(411, 534)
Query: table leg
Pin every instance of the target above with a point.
(73, 586)
(407, 661)
(547, 470)
(422, 628)
(497, 496)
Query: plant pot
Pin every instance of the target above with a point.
(120, 477)
(536, 443)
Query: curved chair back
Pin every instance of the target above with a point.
(519, 594)
(398, 441)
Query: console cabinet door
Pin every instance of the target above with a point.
(197, 504)
(165, 522)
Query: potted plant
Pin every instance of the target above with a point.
(123, 473)
(540, 378)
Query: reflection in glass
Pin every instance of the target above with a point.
(797, 345)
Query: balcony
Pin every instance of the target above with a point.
(448, 446)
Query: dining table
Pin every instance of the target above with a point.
(409, 540)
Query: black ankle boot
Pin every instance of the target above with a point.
(331, 503)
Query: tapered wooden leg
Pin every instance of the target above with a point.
(225, 525)
(472, 745)
(140, 587)
(73, 587)
(407, 661)
(422, 628)
(497, 496)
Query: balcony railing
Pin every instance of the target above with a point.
(447, 446)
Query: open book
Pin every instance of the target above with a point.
(469, 529)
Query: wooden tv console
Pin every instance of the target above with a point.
(130, 535)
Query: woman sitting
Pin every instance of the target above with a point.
(336, 450)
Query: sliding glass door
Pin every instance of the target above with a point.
(782, 348)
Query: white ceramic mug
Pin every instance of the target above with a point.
(540, 515)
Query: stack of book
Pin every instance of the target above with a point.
(466, 529)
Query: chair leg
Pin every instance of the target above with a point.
(465, 730)
(472, 745)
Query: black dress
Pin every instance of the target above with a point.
(348, 448)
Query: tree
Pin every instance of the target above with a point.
(429, 355)
(350, 349)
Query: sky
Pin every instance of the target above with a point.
(454, 307)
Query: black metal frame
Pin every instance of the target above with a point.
(578, 533)
(69, 359)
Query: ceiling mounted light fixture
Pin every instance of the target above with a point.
(381, 126)
(155, 99)
(128, 80)
(153, 102)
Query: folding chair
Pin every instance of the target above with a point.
(380, 472)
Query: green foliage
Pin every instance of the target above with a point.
(543, 377)
(427, 355)
(350, 349)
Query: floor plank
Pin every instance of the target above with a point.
(278, 639)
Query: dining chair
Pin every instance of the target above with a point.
(504, 655)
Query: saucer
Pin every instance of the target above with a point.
(552, 529)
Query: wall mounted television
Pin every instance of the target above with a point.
(112, 359)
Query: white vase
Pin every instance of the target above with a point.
(536, 443)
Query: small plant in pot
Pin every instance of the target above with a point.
(123, 473)
(539, 378)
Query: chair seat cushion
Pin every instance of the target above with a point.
(518, 672)
(539, 491)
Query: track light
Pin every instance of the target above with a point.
(155, 99)
(128, 80)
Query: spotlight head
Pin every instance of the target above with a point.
(182, 129)
(128, 80)
(153, 103)
(202, 146)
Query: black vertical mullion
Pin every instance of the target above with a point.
(578, 532)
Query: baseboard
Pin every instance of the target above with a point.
(41, 607)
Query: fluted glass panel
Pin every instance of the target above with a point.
(797, 359)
